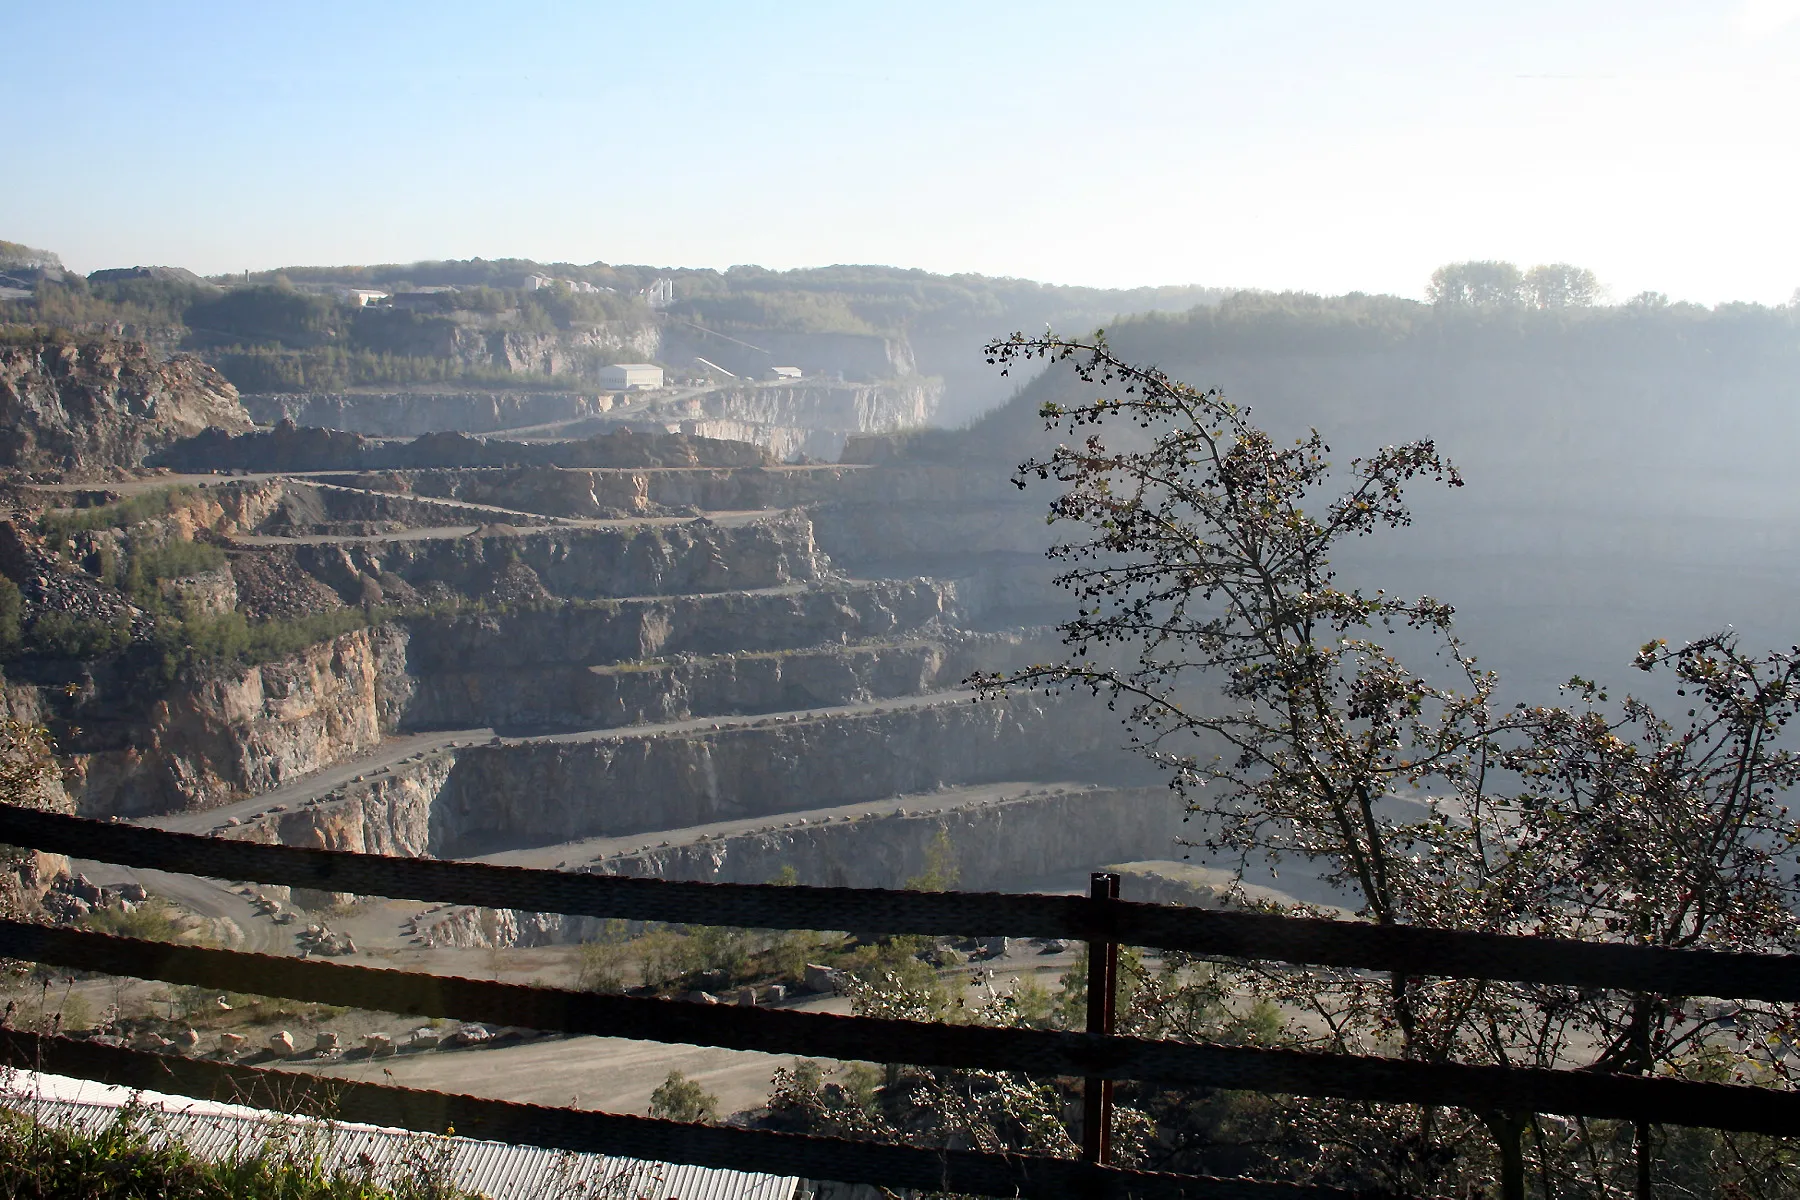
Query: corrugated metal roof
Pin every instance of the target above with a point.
(496, 1169)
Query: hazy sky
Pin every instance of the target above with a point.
(1321, 146)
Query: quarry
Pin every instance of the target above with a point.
(728, 625)
(639, 635)
(620, 602)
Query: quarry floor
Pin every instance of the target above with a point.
(605, 1074)
(616, 1075)
(608, 1074)
(378, 926)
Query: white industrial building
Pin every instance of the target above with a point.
(631, 377)
(362, 296)
(786, 373)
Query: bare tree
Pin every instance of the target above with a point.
(1208, 615)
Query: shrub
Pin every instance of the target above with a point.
(125, 1160)
(154, 920)
(231, 638)
(58, 527)
(602, 967)
(12, 606)
(63, 635)
(146, 569)
(681, 1099)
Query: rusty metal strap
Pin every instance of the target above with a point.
(1403, 949)
(635, 1137)
(822, 1035)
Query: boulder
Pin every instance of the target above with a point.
(824, 979)
(281, 1043)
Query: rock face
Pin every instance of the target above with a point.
(545, 792)
(995, 845)
(613, 492)
(855, 356)
(389, 813)
(580, 563)
(668, 626)
(93, 407)
(814, 420)
(561, 696)
(246, 731)
(967, 524)
(409, 414)
(288, 447)
(1021, 840)
(476, 799)
(571, 352)
(539, 690)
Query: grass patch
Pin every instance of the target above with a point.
(65, 635)
(126, 1160)
(58, 527)
(154, 920)
(231, 640)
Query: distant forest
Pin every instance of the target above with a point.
(289, 330)
(1629, 467)
(887, 301)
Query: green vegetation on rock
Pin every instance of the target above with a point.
(127, 1160)
(679, 1098)
(57, 527)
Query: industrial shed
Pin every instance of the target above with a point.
(631, 377)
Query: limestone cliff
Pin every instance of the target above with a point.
(408, 414)
(93, 407)
(612, 492)
(205, 742)
(288, 447)
(855, 356)
(545, 791)
(813, 419)
(667, 626)
(1021, 840)
(998, 844)
(579, 563)
(474, 799)
(542, 696)
(475, 346)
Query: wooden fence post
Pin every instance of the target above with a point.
(1102, 989)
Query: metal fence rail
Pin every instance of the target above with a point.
(635, 1137)
(869, 1039)
(1096, 1056)
(1309, 941)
